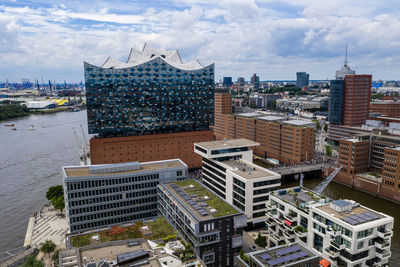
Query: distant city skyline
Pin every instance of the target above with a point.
(51, 39)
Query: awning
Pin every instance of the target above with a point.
(324, 263)
(288, 222)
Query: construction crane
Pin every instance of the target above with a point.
(318, 190)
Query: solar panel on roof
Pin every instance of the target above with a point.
(287, 250)
(265, 256)
(202, 204)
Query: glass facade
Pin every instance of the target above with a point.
(149, 98)
(336, 101)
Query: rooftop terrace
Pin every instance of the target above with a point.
(123, 168)
(201, 202)
(299, 196)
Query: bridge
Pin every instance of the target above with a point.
(302, 168)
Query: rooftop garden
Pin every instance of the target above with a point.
(222, 208)
(158, 229)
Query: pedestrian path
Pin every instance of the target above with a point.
(48, 225)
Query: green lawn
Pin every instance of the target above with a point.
(160, 228)
(215, 202)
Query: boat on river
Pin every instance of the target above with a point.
(9, 125)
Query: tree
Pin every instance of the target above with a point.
(272, 105)
(58, 203)
(31, 261)
(318, 124)
(48, 247)
(55, 256)
(328, 150)
(261, 241)
(326, 127)
(54, 191)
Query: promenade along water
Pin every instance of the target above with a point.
(31, 161)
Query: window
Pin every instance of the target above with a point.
(360, 245)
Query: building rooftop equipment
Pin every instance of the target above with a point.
(247, 170)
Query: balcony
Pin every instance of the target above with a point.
(332, 252)
(384, 234)
(383, 255)
(289, 234)
(290, 216)
(300, 234)
(276, 237)
(337, 245)
(271, 207)
(382, 245)
(270, 222)
(334, 232)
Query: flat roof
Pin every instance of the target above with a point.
(82, 171)
(201, 202)
(247, 171)
(249, 114)
(286, 255)
(271, 118)
(299, 123)
(231, 143)
(354, 211)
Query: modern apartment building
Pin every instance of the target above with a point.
(291, 255)
(205, 220)
(289, 141)
(229, 171)
(101, 195)
(341, 231)
(153, 98)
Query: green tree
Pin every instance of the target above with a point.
(378, 96)
(272, 105)
(318, 124)
(31, 261)
(54, 191)
(326, 127)
(58, 203)
(48, 247)
(261, 241)
(55, 256)
(328, 150)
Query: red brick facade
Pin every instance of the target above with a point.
(149, 148)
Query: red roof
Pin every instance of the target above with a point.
(324, 263)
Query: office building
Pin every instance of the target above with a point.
(229, 171)
(255, 81)
(345, 70)
(342, 232)
(302, 79)
(289, 141)
(101, 195)
(212, 226)
(152, 98)
(227, 82)
(240, 81)
(303, 103)
(263, 100)
(390, 109)
(291, 255)
(223, 107)
(336, 98)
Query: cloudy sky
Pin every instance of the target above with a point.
(52, 38)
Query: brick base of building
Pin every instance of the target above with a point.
(367, 186)
(145, 148)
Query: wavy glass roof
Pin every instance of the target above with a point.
(149, 53)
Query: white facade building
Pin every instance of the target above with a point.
(342, 232)
(229, 171)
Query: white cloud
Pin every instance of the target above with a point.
(241, 36)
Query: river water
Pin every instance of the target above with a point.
(31, 161)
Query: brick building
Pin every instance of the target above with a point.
(391, 173)
(389, 109)
(289, 141)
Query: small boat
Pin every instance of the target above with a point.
(76, 110)
(9, 125)
(31, 128)
(273, 161)
(14, 129)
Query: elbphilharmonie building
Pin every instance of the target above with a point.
(153, 92)
(151, 107)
